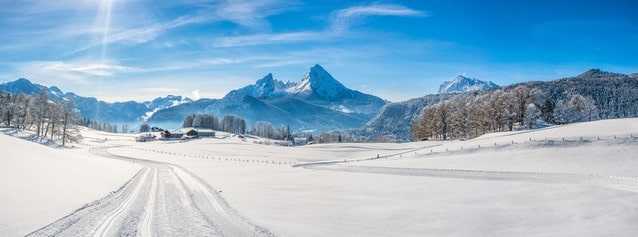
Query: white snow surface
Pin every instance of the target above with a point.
(571, 180)
(529, 188)
(39, 184)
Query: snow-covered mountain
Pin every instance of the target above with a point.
(317, 87)
(25, 86)
(462, 84)
(161, 103)
(92, 108)
(267, 87)
(317, 102)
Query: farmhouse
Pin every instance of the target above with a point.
(145, 137)
(199, 132)
(177, 134)
(300, 141)
(202, 132)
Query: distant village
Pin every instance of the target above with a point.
(187, 134)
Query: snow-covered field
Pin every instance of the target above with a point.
(577, 179)
(39, 184)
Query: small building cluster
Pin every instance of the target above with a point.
(300, 141)
(187, 133)
(147, 137)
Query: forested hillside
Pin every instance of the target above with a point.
(613, 95)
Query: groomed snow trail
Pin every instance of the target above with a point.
(623, 183)
(160, 200)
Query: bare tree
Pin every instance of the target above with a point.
(188, 121)
(233, 124)
(7, 107)
(576, 109)
(145, 128)
(69, 118)
(264, 129)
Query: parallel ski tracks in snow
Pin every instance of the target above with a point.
(146, 228)
(107, 224)
(161, 200)
(623, 183)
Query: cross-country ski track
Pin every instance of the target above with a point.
(623, 183)
(160, 200)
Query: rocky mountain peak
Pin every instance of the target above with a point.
(462, 84)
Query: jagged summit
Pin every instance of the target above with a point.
(316, 85)
(464, 84)
(319, 84)
(317, 101)
(318, 76)
(267, 87)
(266, 80)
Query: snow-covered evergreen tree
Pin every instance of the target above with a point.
(532, 115)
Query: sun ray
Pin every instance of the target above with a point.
(103, 22)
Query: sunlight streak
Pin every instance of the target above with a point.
(103, 21)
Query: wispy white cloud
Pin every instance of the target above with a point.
(252, 14)
(343, 19)
(195, 94)
(249, 14)
(133, 35)
(266, 39)
(89, 69)
(75, 72)
(339, 23)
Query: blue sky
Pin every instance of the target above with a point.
(119, 50)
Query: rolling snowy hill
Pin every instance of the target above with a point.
(41, 184)
(569, 180)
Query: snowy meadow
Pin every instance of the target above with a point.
(576, 179)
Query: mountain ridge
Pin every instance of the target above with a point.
(328, 100)
(92, 108)
(317, 102)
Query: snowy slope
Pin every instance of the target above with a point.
(462, 84)
(571, 180)
(516, 187)
(41, 184)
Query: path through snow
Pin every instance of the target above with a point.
(160, 200)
